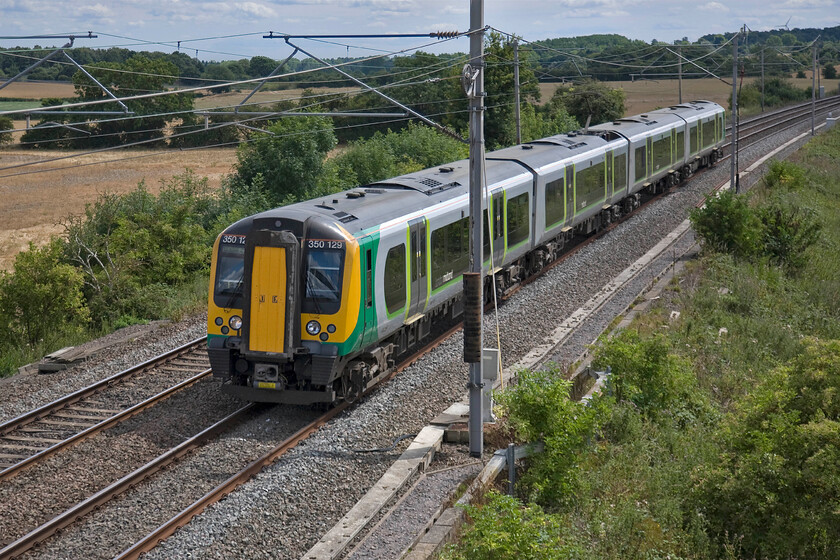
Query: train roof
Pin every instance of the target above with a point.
(372, 205)
(646, 123)
(553, 151)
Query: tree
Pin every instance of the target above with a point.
(6, 124)
(261, 66)
(289, 156)
(42, 299)
(500, 122)
(829, 72)
(591, 99)
(135, 76)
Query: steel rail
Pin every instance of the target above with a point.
(167, 529)
(130, 480)
(116, 419)
(64, 402)
(58, 404)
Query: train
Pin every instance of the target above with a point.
(315, 301)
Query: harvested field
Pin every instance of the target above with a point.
(37, 90)
(645, 95)
(262, 98)
(35, 203)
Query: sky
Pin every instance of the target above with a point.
(220, 30)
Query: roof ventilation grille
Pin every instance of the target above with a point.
(430, 182)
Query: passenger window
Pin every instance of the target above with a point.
(620, 172)
(554, 210)
(680, 145)
(661, 153)
(518, 221)
(590, 186)
(693, 139)
(395, 279)
(709, 136)
(641, 167)
(450, 252)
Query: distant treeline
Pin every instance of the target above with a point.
(602, 57)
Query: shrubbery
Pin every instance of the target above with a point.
(721, 439)
(5, 124)
(539, 409)
(778, 228)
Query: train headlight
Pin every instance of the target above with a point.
(235, 322)
(313, 327)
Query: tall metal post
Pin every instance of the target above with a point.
(733, 172)
(516, 90)
(814, 92)
(679, 67)
(476, 425)
(762, 80)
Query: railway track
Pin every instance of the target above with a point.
(145, 472)
(40, 433)
(102, 497)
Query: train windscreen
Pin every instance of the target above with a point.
(322, 281)
(230, 270)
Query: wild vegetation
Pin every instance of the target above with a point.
(719, 433)
(138, 256)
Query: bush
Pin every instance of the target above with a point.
(788, 230)
(503, 529)
(127, 244)
(389, 155)
(6, 124)
(42, 299)
(777, 485)
(727, 223)
(539, 409)
(657, 382)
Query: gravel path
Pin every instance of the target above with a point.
(284, 510)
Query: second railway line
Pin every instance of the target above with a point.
(310, 499)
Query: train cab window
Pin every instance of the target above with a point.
(661, 156)
(693, 139)
(322, 281)
(709, 136)
(590, 186)
(394, 282)
(554, 210)
(641, 163)
(620, 164)
(518, 219)
(230, 270)
(450, 252)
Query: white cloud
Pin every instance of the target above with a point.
(256, 9)
(716, 7)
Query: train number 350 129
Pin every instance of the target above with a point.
(324, 244)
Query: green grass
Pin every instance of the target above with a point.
(719, 460)
(19, 104)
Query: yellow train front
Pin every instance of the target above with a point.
(284, 310)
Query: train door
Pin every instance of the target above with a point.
(497, 227)
(673, 145)
(417, 264)
(366, 246)
(570, 191)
